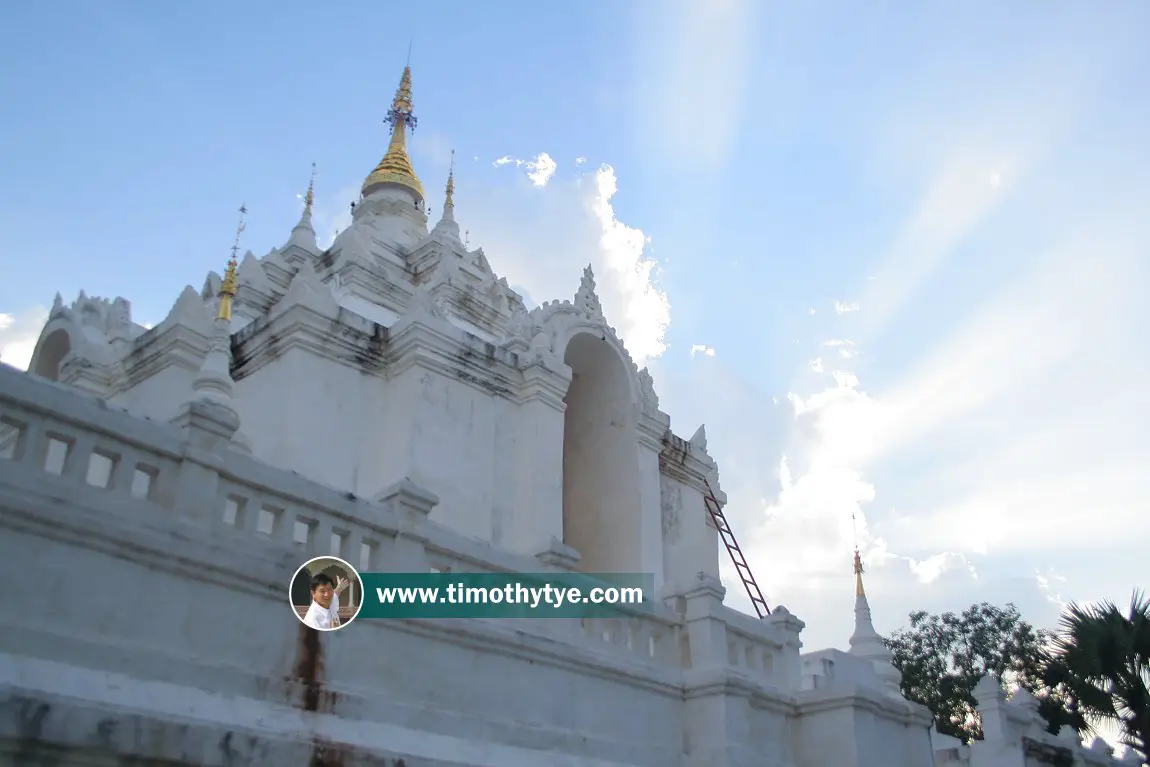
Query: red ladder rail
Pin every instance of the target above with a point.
(741, 566)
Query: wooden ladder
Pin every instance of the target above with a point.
(728, 536)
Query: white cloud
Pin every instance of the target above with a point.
(1049, 583)
(648, 312)
(845, 308)
(816, 365)
(573, 222)
(539, 171)
(702, 349)
(844, 347)
(19, 332)
(580, 160)
(931, 569)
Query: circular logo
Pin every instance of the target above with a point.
(326, 593)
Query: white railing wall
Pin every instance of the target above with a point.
(50, 433)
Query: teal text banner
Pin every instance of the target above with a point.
(504, 595)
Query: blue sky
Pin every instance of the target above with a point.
(968, 184)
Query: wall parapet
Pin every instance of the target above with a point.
(56, 436)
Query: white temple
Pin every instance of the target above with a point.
(389, 400)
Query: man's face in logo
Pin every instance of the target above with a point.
(322, 594)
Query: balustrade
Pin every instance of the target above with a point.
(71, 437)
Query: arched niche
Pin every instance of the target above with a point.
(50, 352)
(601, 506)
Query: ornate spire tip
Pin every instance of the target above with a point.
(229, 283)
(859, 590)
(239, 230)
(401, 112)
(309, 198)
(451, 180)
(395, 167)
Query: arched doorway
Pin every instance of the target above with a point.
(601, 512)
(52, 352)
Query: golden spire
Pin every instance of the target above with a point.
(395, 168)
(859, 591)
(228, 284)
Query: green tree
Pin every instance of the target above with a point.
(942, 658)
(1101, 657)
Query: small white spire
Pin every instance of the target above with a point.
(303, 234)
(865, 642)
(446, 227)
(210, 416)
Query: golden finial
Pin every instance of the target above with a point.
(229, 283)
(859, 591)
(309, 198)
(395, 168)
(449, 203)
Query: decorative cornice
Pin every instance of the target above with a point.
(703, 683)
(161, 348)
(542, 384)
(383, 206)
(424, 257)
(373, 282)
(652, 427)
(432, 344)
(860, 698)
(679, 461)
(348, 340)
(786, 621)
(446, 350)
(294, 254)
(278, 272)
(85, 374)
